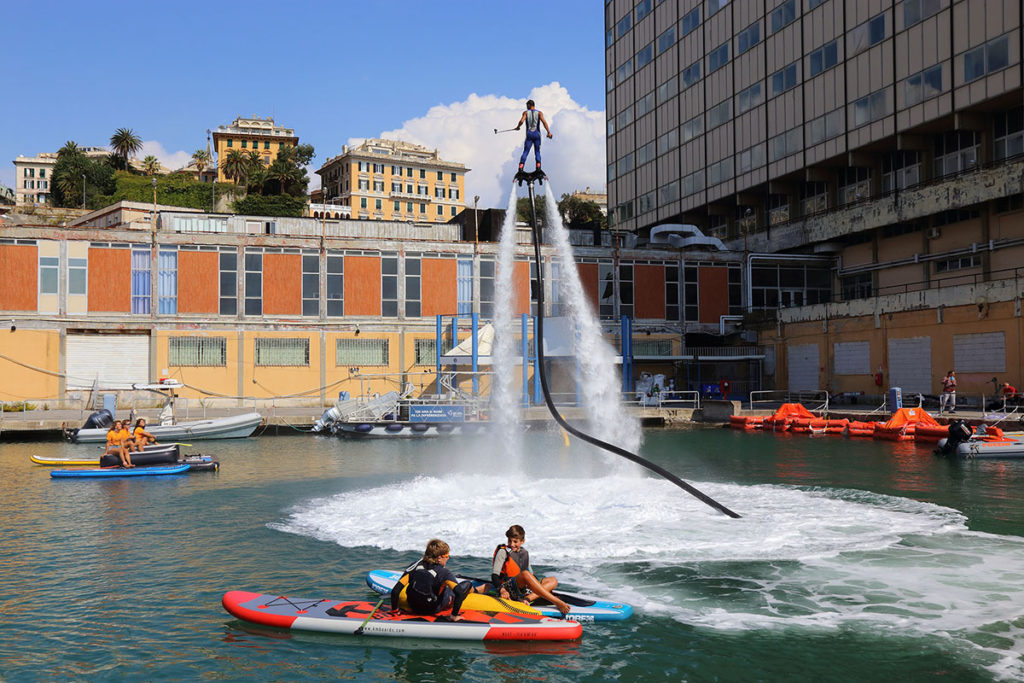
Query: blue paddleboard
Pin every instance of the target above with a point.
(119, 472)
(584, 608)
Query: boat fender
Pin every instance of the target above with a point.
(364, 428)
(445, 427)
(420, 428)
(394, 428)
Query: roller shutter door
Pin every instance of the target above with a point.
(910, 365)
(117, 360)
(984, 352)
(803, 367)
(852, 358)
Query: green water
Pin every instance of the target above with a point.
(853, 560)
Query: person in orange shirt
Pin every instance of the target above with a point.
(141, 437)
(117, 437)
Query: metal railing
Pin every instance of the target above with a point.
(817, 399)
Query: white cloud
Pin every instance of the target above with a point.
(172, 161)
(464, 132)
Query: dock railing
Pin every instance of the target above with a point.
(816, 399)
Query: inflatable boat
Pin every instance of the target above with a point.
(359, 617)
(583, 608)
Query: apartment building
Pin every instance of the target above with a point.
(391, 180)
(33, 176)
(248, 135)
(865, 157)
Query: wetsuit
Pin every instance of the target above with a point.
(532, 136)
(506, 566)
(448, 591)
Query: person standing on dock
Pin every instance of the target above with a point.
(948, 395)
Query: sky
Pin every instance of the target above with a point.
(442, 74)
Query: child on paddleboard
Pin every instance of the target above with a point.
(428, 586)
(513, 577)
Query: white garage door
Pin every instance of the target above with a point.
(803, 367)
(116, 360)
(985, 352)
(852, 358)
(910, 365)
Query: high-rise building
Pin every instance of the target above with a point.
(392, 180)
(865, 155)
(255, 134)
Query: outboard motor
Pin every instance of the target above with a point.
(101, 419)
(959, 432)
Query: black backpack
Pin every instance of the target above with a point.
(420, 594)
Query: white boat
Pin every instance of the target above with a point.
(1008, 447)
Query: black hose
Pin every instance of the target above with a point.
(539, 343)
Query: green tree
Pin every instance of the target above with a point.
(174, 189)
(581, 214)
(523, 210)
(201, 158)
(235, 165)
(255, 172)
(150, 165)
(274, 205)
(125, 144)
(75, 174)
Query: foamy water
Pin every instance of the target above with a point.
(810, 559)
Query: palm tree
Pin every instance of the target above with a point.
(150, 165)
(70, 148)
(286, 174)
(235, 165)
(125, 143)
(201, 158)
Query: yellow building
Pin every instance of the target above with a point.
(391, 180)
(251, 135)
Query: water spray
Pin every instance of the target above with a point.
(539, 177)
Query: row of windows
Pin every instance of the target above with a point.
(31, 172)
(378, 205)
(290, 352)
(254, 144)
(35, 185)
(371, 167)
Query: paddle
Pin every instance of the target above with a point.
(359, 631)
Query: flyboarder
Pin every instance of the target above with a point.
(533, 118)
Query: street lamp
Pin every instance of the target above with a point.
(213, 181)
(83, 190)
(476, 224)
(153, 226)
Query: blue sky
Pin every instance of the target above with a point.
(443, 74)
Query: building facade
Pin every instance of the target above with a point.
(248, 135)
(865, 157)
(391, 180)
(33, 176)
(248, 306)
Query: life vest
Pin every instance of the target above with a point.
(532, 120)
(420, 592)
(509, 569)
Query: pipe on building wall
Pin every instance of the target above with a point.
(723, 318)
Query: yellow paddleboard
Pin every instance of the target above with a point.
(486, 603)
(66, 462)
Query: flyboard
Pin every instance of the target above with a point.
(584, 608)
(359, 617)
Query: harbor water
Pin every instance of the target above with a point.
(852, 561)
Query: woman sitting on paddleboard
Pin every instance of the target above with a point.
(428, 586)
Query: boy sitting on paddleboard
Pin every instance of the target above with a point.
(428, 586)
(512, 576)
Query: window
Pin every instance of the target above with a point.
(335, 284)
(783, 15)
(377, 204)
(408, 171)
(464, 286)
(49, 267)
(645, 203)
(985, 59)
(423, 174)
(814, 198)
(244, 143)
(310, 284)
(693, 183)
(229, 142)
(871, 32)
(389, 285)
(669, 193)
(282, 352)
(228, 283)
(413, 308)
(378, 185)
(644, 105)
(362, 202)
(825, 127)
(645, 55)
(900, 170)
(689, 22)
(715, 5)
(668, 141)
(78, 272)
(625, 164)
(668, 90)
(693, 128)
(857, 286)
(718, 57)
(266, 144)
(1009, 133)
(749, 98)
(645, 154)
(643, 8)
(748, 38)
(720, 172)
(784, 79)
(916, 10)
(253, 283)
(666, 39)
(42, 173)
(690, 75)
(750, 159)
(624, 71)
(671, 292)
(718, 114)
(360, 352)
(626, 290)
(823, 58)
(625, 23)
(486, 288)
(141, 286)
(955, 151)
(870, 108)
(167, 282)
(854, 184)
(606, 289)
(426, 351)
(197, 352)
(958, 263)
(923, 85)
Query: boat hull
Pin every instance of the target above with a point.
(234, 427)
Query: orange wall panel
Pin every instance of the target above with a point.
(198, 282)
(439, 287)
(19, 265)
(649, 292)
(362, 285)
(282, 284)
(110, 280)
(521, 285)
(713, 299)
(589, 276)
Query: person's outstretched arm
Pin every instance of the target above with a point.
(545, 122)
(521, 119)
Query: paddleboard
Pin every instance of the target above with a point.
(120, 472)
(65, 462)
(583, 608)
(333, 616)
